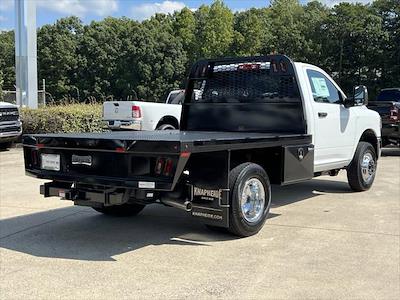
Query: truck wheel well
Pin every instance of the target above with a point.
(370, 137)
(269, 158)
(168, 120)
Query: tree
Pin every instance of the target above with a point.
(7, 60)
(389, 58)
(214, 30)
(119, 57)
(313, 18)
(104, 46)
(288, 35)
(58, 58)
(184, 27)
(351, 42)
(252, 32)
(160, 59)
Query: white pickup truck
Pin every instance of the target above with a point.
(10, 124)
(140, 115)
(253, 122)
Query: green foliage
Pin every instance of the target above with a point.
(184, 28)
(160, 60)
(58, 57)
(352, 37)
(63, 118)
(253, 34)
(117, 58)
(215, 36)
(7, 59)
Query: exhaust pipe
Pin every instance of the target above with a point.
(186, 206)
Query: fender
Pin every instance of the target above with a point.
(367, 130)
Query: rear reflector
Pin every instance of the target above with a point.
(120, 149)
(136, 112)
(185, 154)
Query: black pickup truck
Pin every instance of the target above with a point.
(243, 128)
(387, 104)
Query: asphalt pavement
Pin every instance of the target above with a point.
(322, 241)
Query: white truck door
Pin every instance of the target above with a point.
(334, 124)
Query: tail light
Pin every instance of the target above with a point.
(34, 158)
(136, 112)
(394, 114)
(164, 166)
(159, 166)
(168, 167)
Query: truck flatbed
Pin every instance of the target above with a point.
(246, 123)
(193, 141)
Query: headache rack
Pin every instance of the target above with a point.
(250, 94)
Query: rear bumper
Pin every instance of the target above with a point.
(83, 197)
(128, 125)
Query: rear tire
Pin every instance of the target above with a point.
(124, 210)
(250, 199)
(362, 169)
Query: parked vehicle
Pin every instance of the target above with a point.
(10, 124)
(255, 121)
(175, 97)
(387, 104)
(140, 115)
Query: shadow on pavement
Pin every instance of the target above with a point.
(81, 233)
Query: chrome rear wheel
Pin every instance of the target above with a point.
(252, 200)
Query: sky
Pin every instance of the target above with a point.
(48, 11)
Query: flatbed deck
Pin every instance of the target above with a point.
(194, 141)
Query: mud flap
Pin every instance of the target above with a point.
(209, 176)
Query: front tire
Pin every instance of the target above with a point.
(250, 194)
(362, 169)
(124, 210)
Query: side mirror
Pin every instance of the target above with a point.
(348, 102)
(360, 95)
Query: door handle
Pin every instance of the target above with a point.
(322, 114)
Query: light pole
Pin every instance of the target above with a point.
(25, 53)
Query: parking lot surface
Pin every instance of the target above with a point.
(321, 241)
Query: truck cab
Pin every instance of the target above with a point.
(336, 122)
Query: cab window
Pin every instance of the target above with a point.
(322, 88)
